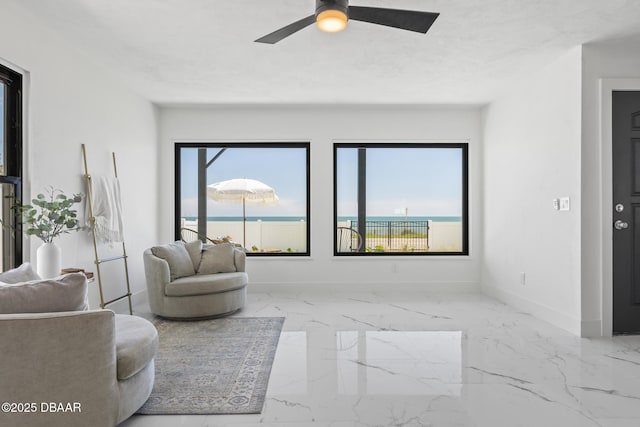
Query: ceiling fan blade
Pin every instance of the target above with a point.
(283, 32)
(412, 20)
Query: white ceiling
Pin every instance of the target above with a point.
(202, 51)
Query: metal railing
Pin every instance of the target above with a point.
(395, 236)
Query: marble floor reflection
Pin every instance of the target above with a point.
(431, 359)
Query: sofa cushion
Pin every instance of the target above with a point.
(176, 255)
(136, 344)
(64, 293)
(195, 252)
(217, 259)
(206, 284)
(24, 273)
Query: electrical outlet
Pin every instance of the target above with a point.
(565, 204)
(523, 278)
(556, 204)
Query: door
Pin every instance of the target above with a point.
(626, 212)
(10, 166)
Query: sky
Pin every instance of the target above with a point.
(283, 169)
(425, 182)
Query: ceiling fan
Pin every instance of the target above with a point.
(332, 16)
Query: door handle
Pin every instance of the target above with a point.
(620, 225)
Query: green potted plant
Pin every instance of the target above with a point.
(47, 217)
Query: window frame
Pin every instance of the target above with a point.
(253, 144)
(13, 157)
(464, 146)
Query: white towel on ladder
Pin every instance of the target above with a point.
(107, 209)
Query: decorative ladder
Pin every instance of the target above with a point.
(99, 261)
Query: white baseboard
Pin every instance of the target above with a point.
(542, 312)
(140, 300)
(333, 287)
(587, 328)
(592, 329)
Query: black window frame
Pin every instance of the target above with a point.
(464, 146)
(13, 156)
(204, 144)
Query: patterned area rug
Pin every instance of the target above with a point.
(218, 366)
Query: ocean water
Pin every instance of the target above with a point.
(249, 218)
(402, 218)
(340, 219)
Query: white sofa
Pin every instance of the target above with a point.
(186, 281)
(72, 367)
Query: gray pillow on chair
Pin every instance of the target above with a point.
(176, 255)
(217, 259)
(64, 293)
(24, 273)
(195, 252)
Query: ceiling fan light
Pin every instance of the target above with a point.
(331, 20)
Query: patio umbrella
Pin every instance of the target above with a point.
(245, 191)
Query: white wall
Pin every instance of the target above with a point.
(69, 101)
(602, 62)
(531, 143)
(321, 125)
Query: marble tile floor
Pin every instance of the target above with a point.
(431, 359)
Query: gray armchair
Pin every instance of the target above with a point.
(211, 282)
(95, 367)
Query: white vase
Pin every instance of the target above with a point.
(48, 260)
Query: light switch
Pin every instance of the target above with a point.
(565, 204)
(556, 204)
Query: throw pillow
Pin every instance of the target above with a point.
(24, 273)
(195, 252)
(177, 257)
(217, 259)
(64, 293)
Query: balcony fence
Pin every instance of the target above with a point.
(395, 236)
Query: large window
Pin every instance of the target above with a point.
(254, 194)
(400, 199)
(10, 164)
